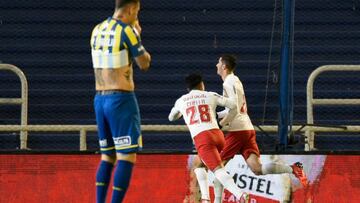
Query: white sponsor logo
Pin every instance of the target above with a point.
(103, 143)
(122, 141)
(272, 186)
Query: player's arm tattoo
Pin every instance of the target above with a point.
(98, 77)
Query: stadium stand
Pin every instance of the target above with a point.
(50, 43)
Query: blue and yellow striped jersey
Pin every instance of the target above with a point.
(113, 44)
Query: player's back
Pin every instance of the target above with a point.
(113, 44)
(198, 110)
(233, 88)
(107, 44)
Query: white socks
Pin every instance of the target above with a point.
(218, 190)
(202, 178)
(228, 183)
(275, 168)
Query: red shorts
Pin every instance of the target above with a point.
(243, 142)
(209, 145)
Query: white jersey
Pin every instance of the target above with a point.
(233, 89)
(198, 110)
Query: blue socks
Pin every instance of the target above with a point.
(103, 177)
(121, 180)
(122, 177)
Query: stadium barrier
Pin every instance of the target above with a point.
(309, 129)
(311, 101)
(23, 101)
(83, 129)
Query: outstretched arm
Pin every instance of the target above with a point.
(223, 113)
(230, 103)
(229, 114)
(174, 115)
(229, 117)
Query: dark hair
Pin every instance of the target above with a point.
(121, 3)
(193, 81)
(229, 60)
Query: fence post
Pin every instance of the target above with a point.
(83, 146)
(23, 101)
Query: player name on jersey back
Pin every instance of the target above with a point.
(198, 110)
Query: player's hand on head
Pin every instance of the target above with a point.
(137, 27)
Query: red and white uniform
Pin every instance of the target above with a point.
(241, 136)
(198, 110)
(233, 89)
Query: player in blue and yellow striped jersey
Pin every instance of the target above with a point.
(115, 42)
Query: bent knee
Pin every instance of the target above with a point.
(256, 170)
(111, 158)
(126, 157)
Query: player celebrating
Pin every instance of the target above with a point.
(114, 43)
(241, 137)
(198, 110)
